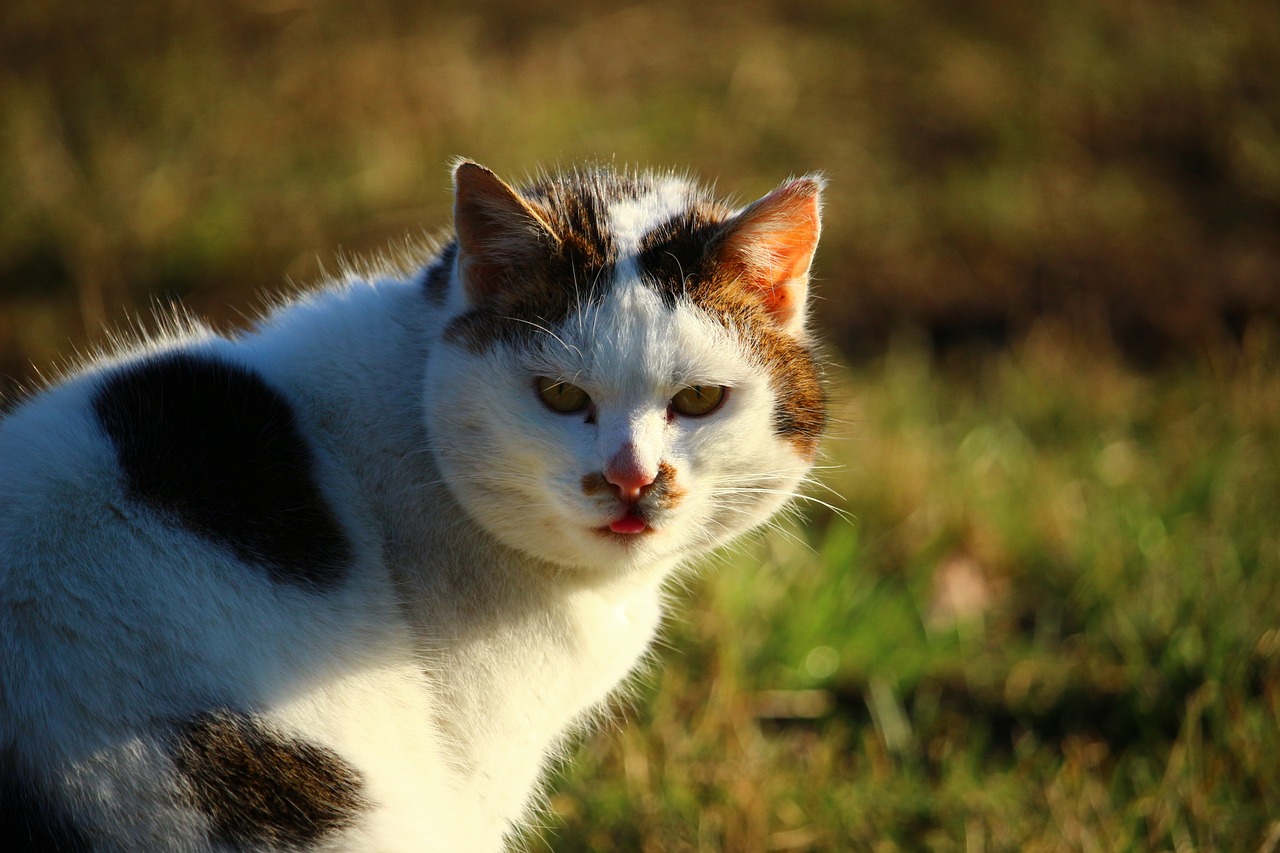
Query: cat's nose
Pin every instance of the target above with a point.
(631, 484)
(629, 476)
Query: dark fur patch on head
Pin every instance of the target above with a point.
(575, 270)
(678, 253)
(436, 281)
(214, 448)
(482, 329)
(679, 260)
(576, 210)
(259, 788)
(29, 821)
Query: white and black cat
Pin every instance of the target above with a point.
(347, 581)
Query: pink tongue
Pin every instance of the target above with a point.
(627, 524)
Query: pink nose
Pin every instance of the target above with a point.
(628, 476)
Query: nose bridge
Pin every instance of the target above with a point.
(634, 432)
(631, 345)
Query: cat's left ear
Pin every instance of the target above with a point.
(770, 246)
(500, 235)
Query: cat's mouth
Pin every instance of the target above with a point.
(631, 523)
(636, 501)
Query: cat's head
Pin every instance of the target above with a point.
(624, 374)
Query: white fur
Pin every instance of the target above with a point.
(485, 616)
(631, 219)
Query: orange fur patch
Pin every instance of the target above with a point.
(669, 494)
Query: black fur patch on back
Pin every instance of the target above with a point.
(30, 822)
(259, 788)
(212, 446)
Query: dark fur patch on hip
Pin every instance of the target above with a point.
(258, 787)
(212, 446)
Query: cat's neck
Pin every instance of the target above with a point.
(524, 656)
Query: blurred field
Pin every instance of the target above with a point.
(1051, 619)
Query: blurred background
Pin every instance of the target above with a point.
(1039, 606)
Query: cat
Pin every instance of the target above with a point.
(349, 579)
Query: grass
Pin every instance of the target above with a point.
(1053, 624)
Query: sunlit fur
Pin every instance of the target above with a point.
(487, 612)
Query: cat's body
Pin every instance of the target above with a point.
(346, 582)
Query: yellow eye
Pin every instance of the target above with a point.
(561, 397)
(698, 400)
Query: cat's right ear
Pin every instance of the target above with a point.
(499, 234)
(770, 246)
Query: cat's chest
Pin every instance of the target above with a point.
(612, 635)
(554, 665)
(542, 679)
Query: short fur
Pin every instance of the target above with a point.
(344, 582)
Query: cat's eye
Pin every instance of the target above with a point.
(563, 397)
(698, 400)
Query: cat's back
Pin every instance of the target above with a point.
(183, 580)
(118, 540)
(157, 484)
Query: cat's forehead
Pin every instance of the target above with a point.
(642, 205)
(613, 231)
(617, 214)
(632, 337)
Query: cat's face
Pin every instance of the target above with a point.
(619, 384)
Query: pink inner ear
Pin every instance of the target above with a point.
(773, 242)
(784, 280)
